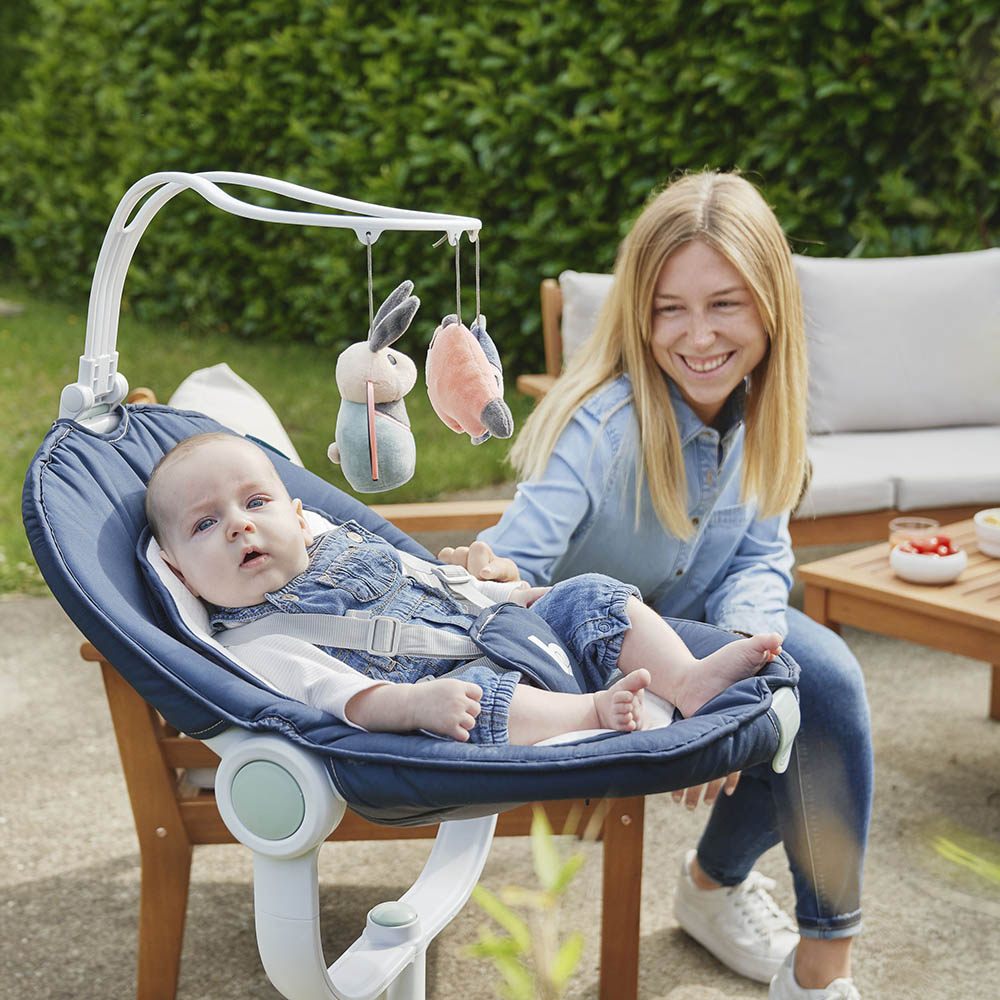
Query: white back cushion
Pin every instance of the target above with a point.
(901, 343)
(221, 394)
(894, 343)
(583, 294)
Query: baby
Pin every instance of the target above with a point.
(229, 530)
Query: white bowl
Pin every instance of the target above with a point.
(987, 533)
(921, 567)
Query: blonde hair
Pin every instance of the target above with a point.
(728, 214)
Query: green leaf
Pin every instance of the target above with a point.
(566, 960)
(543, 850)
(504, 916)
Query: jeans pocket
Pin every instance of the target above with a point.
(364, 572)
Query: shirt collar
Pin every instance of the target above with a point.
(689, 424)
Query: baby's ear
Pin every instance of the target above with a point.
(307, 535)
(168, 559)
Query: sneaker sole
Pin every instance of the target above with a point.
(747, 964)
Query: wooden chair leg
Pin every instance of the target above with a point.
(165, 848)
(166, 873)
(622, 891)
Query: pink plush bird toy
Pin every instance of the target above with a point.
(465, 381)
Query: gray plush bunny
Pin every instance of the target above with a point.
(374, 444)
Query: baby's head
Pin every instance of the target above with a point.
(224, 520)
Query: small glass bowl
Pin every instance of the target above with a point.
(905, 529)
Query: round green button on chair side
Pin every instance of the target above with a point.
(393, 914)
(267, 800)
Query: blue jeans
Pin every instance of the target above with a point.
(820, 807)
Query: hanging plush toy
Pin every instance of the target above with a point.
(374, 444)
(465, 380)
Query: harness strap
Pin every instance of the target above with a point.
(456, 579)
(376, 634)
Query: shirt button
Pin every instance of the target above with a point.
(604, 626)
(680, 572)
(353, 536)
(695, 520)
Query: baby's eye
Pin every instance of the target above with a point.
(254, 502)
(204, 524)
(669, 309)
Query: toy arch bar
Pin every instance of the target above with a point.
(100, 386)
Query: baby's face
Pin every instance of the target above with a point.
(230, 531)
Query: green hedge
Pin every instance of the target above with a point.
(874, 128)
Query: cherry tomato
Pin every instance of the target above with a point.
(926, 546)
(907, 547)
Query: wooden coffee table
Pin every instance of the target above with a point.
(859, 588)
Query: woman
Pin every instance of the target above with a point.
(669, 455)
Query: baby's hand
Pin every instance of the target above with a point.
(479, 560)
(446, 706)
(526, 596)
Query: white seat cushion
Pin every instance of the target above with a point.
(908, 470)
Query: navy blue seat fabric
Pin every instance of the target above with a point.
(83, 513)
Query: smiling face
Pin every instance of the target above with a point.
(707, 334)
(229, 530)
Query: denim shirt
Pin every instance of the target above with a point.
(579, 517)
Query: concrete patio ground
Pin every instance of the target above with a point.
(70, 874)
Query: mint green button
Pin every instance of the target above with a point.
(267, 800)
(393, 914)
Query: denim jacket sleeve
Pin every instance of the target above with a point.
(549, 511)
(753, 594)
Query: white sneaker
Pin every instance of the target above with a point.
(742, 926)
(784, 986)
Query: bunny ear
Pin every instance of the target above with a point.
(393, 323)
(450, 320)
(397, 295)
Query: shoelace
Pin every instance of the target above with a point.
(758, 907)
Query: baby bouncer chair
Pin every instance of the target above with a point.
(288, 773)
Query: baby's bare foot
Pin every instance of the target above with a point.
(727, 665)
(620, 706)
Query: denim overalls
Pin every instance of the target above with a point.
(351, 569)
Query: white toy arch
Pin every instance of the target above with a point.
(100, 387)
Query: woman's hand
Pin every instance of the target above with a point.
(691, 796)
(479, 560)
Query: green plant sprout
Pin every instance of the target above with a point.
(533, 963)
(976, 863)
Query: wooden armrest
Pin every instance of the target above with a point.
(443, 515)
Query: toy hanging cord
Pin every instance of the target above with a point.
(458, 280)
(370, 386)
